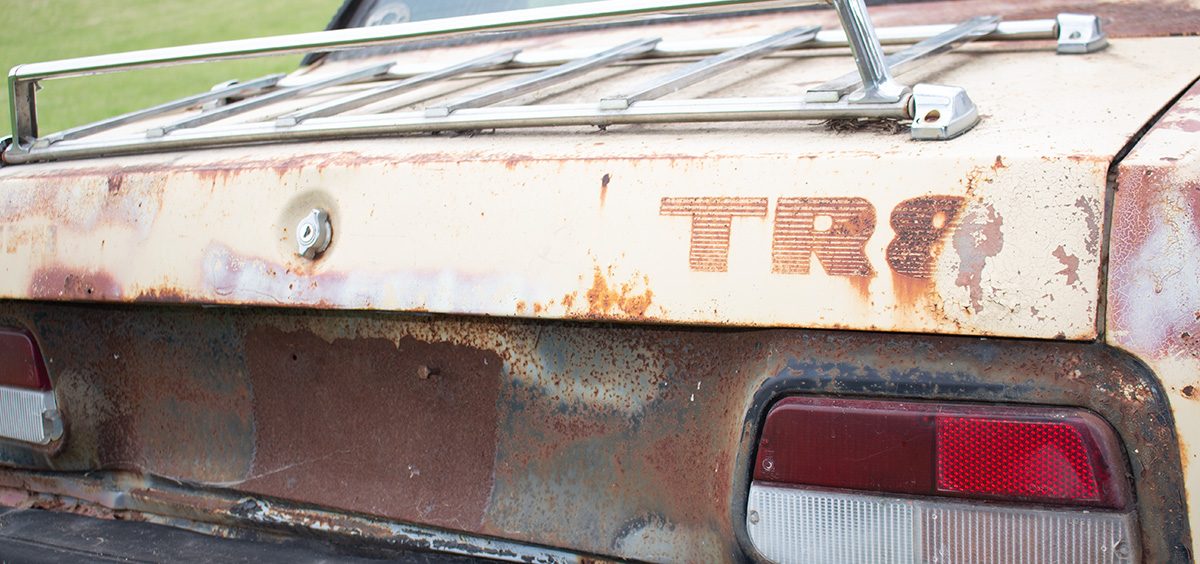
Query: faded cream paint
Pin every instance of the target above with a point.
(523, 223)
(1154, 289)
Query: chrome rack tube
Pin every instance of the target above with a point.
(23, 78)
(906, 59)
(472, 119)
(265, 99)
(545, 78)
(345, 103)
(878, 85)
(902, 35)
(110, 123)
(711, 66)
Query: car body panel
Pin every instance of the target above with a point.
(580, 224)
(623, 441)
(1153, 292)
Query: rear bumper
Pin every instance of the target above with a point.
(35, 536)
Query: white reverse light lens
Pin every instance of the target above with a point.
(29, 415)
(811, 526)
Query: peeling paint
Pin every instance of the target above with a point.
(1070, 265)
(979, 239)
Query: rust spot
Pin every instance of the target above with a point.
(114, 184)
(1070, 265)
(862, 286)
(979, 239)
(603, 299)
(910, 290)
(604, 180)
(162, 295)
(999, 164)
(64, 284)
(1189, 392)
(521, 306)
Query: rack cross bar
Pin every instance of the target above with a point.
(902, 61)
(339, 105)
(709, 67)
(276, 96)
(546, 78)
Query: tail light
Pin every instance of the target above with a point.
(28, 410)
(842, 480)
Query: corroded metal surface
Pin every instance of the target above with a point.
(995, 233)
(621, 441)
(1154, 276)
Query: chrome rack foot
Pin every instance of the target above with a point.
(1080, 33)
(941, 112)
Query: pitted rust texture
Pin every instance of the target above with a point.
(625, 441)
(129, 391)
(404, 430)
(921, 226)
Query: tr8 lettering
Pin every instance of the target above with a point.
(834, 230)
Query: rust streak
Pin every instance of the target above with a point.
(604, 180)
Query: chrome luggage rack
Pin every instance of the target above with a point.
(936, 112)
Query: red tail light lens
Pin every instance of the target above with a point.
(1046, 455)
(1026, 459)
(21, 363)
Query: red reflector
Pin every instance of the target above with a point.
(1013, 458)
(1041, 454)
(21, 362)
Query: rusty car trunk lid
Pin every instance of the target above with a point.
(999, 232)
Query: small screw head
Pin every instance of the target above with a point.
(753, 517)
(768, 464)
(313, 234)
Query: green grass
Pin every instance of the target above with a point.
(44, 30)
